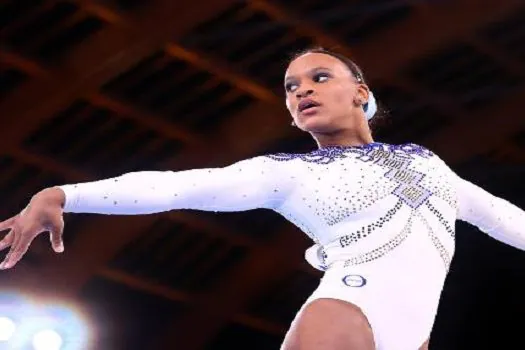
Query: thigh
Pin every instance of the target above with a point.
(330, 324)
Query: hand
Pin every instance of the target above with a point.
(44, 213)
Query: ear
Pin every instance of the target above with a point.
(361, 96)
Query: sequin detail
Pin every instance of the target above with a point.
(366, 152)
(441, 188)
(436, 242)
(441, 219)
(384, 249)
(410, 189)
(364, 231)
(396, 158)
(355, 203)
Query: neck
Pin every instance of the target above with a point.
(349, 137)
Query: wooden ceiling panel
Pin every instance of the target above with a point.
(176, 256)
(54, 31)
(16, 13)
(462, 73)
(260, 49)
(281, 304)
(103, 141)
(115, 306)
(10, 79)
(353, 21)
(98, 59)
(508, 34)
(260, 224)
(170, 294)
(125, 5)
(174, 89)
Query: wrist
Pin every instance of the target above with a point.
(53, 196)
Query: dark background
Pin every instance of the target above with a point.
(94, 88)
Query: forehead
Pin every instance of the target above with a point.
(304, 63)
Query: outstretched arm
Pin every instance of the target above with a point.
(495, 216)
(249, 184)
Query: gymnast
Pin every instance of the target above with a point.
(381, 217)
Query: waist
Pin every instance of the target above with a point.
(357, 249)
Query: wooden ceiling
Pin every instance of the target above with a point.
(95, 88)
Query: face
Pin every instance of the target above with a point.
(322, 94)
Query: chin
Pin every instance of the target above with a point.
(317, 124)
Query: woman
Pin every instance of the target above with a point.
(381, 216)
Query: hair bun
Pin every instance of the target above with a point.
(370, 107)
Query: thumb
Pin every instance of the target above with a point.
(55, 235)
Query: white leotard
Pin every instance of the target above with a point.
(377, 213)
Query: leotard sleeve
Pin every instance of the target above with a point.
(495, 216)
(248, 184)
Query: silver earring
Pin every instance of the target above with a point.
(293, 123)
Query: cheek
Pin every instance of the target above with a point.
(289, 106)
(341, 99)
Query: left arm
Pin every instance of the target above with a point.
(496, 217)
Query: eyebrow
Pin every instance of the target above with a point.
(291, 77)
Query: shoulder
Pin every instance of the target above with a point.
(411, 149)
(426, 157)
(316, 156)
(331, 154)
(265, 163)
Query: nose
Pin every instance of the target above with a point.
(304, 93)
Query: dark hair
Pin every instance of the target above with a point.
(381, 115)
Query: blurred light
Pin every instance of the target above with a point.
(47, 340)
(7, 329)
(28, 322)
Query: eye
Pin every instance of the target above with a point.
(291, 87)
(321, 77)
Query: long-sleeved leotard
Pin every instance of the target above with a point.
(356, 203)
(382, 218)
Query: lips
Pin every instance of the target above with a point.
(306, 104)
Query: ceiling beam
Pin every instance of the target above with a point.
(177, 296)
(142, 117)
(480, 132)
(34, 69)
(198, 59)
(99, 59)
(512, 65)
(427, 30)
(121, 109)
(248, 281)
(223, 71)
(405, 41)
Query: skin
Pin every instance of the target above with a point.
(338, 121)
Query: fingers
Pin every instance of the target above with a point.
(7, 241)
(55, 235)
(19, 246)
(4, 225)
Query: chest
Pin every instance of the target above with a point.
(350, 181)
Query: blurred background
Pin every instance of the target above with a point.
(94, 88)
